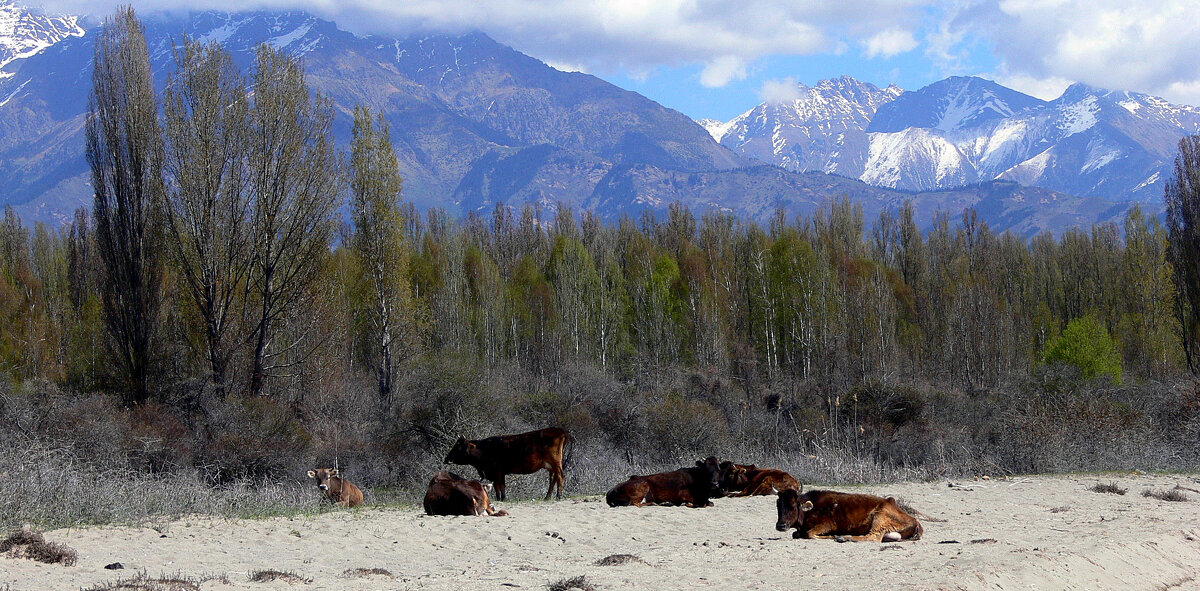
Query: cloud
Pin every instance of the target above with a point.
(601, 35)
(722, 71)
(1148, 46)
(785, 90)
(889, 43)
(1046, 89)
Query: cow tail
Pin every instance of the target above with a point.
(568, 451)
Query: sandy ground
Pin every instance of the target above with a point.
(1047, 532)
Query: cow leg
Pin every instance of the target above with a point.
(498, 481)
(820, 532)
(556, 479)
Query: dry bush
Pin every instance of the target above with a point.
(25, 543)
(144, 582)
(270, 574)
(618, 559)
(366, 572)
(581, 583)
(1110, 488)
(1172, 495)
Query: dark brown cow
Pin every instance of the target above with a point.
(526, 453)
(747, 480)
(342, 492)
(451, 494)
(844, 516)
(687, 486)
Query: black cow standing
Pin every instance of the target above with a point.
(524, 453)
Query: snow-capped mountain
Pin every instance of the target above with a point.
(817, 128)
(24, 33)
(476, 123)
(962, 130)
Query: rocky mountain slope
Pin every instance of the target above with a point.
(475, 122)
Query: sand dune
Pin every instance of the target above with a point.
(1046, 532)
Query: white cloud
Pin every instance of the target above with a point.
(785, 90)
(889, 43)
(1046, 89)
(602, 35)
(722, 71)
(1147, 46)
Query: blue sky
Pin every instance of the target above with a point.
(718, 58)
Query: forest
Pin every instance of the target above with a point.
(215, 325)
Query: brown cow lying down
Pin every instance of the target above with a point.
(451, 494)
(687, 486)
(524, 453)
(748, 480)
(335, 489)
(844, 516)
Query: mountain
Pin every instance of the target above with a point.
(24, 33)
(963, 130)
(476, 123)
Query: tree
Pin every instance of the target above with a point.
(295, 179)
(378, 235)
(124, 149)
(1182, 196)
(1086, 344)
(206, 204)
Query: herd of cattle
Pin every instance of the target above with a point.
(813, 514)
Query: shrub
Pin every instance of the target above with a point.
(24, 543)
(1086, 345)
(1110, 488)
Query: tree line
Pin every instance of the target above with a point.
(214, 253)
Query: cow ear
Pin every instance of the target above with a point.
(700, 463)
(806, 506)
(333, 472)
(312, 474)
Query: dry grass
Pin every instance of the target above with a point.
(1110, 488)
(270, 574)
(1166, 495)
(143, 582)
(366, 572)
(581, 583)
(25, 543)
(617, 559)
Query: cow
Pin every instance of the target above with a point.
(748, 480)
(451, 494)
(525, 453)
(845, 517)
(340, 491)
(692, 486)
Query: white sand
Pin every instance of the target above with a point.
(1049, 533)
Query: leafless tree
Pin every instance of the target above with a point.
(207, 205)
(124, 149)
(295, 180)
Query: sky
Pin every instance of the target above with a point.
(718, 58)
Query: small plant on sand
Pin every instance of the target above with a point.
(270, 574)
(617, 559)
(143, 582)
(581, 583)
(366, 572)
(25, 543)
(1110, 488)
(1166, 495)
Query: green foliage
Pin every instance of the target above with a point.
(1086, 344)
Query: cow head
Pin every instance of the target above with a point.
(733, 476)
(464, 452)
(791, 507)
(327, 479)
(711, 470)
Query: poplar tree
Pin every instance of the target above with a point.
(378, 236)
(206, 205)
(125, 151)
(1182, 196)
(295, 180)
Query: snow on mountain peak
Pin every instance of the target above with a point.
(24, 32)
